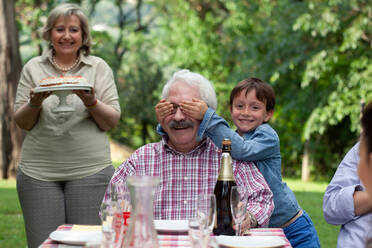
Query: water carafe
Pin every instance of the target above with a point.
(141, 231)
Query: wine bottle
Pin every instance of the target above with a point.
(222, 191)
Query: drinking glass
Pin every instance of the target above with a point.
(238, 203)
(121, 206)
(194, 233)
(107, 212)
(206, 214)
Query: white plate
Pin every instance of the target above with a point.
(62, 87)
(250, 241)
(75, 237)
(171, 225)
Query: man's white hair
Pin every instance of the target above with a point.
(206, 90)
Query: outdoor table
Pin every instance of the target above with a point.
(174, 239)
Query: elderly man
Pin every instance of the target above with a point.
(187, 166)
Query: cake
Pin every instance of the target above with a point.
(63, 80)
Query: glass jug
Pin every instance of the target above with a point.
(141, 231)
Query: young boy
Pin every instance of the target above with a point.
(252, 104)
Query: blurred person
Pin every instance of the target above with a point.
(346, 202)
(188, 166)
(65, 163)
(252, 103)
(365, 162)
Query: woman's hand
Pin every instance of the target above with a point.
(36, 99)
(88, 97)
(27, 115)
(105, 116)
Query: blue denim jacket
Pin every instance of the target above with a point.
(262, 147)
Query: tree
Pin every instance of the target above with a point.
(10, 67)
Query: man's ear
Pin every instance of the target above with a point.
(269, 115)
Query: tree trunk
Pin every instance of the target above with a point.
(305, 172)
(10, 68)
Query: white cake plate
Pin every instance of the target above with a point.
(62, 91)
(62, 88)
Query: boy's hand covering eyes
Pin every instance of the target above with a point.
(195, 108)
(163, 109)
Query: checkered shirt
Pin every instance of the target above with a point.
(184, 176)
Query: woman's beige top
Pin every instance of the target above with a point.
(67, 145)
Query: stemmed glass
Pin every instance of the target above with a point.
(206, 214)
(107, 213)
(238, 203)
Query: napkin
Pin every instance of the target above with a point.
(86, 228)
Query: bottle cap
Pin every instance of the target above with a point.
(226, 142)
(226, 145)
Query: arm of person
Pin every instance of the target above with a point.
(102, 101)
(105, 116)
(127, 168)
(362, 203)
(344, 199)
(259, 146)
(28, 104)
(28, 114)
(260, 201)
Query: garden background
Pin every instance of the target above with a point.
(316, 54)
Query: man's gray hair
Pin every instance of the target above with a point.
(206, 90)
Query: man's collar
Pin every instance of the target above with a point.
(197, 149)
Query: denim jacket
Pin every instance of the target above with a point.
(262, 147)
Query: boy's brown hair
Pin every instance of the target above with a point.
(264, 91)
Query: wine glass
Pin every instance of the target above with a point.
(107, 212)
(206, 214)
(238, 203)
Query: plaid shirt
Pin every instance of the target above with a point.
(184, 176)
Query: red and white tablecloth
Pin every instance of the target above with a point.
(174, 240)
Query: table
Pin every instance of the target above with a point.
(173, 240)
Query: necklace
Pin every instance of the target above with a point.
(65, 68)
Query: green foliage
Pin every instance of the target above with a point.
(138, 86)
(316, 54)
(341, 61)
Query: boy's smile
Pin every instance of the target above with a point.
(247, 112)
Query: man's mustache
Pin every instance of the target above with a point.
(181, 124)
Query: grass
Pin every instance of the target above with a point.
(309, 195)
(12, 232)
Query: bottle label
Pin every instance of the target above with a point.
(226, 171)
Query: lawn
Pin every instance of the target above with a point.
(309, 195)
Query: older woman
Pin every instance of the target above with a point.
(65, 163)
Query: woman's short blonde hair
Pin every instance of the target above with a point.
(66, 10)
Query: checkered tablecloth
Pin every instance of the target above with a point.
(165, 240)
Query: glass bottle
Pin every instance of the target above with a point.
(141, 231)
(222, 191)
